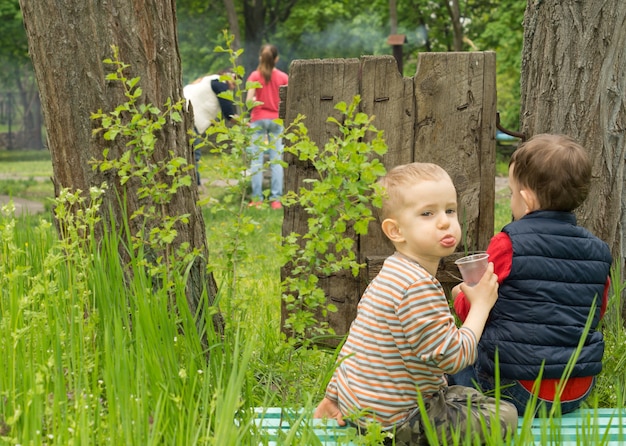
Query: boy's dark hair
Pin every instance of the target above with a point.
(556, 168)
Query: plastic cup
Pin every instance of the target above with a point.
(473, 267)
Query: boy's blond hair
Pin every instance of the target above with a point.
(394, 183)
(556, 168)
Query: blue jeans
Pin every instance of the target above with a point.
(197, 155)
(511, 390)
(266, 139)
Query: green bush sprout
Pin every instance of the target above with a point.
(338, 203)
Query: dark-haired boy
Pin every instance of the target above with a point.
(551, 274)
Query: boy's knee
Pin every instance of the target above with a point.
(508, 416)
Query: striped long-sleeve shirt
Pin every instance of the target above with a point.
(403, 340)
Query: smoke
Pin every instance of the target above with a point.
(362, 35)
(345, 39)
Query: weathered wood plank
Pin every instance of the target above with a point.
(455, 95)
(315, 88)
(445, 114)
(389, 98)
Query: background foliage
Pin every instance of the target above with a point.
(305, 29)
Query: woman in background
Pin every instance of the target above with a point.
(266, 138)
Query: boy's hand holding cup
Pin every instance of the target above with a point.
(480, 284)
(473, 267)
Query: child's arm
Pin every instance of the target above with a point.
(500, 252)
(328, 408)
(250, 96)
(251, 93)
(482, 298)
(605, 297)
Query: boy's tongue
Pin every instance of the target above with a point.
(448, 241)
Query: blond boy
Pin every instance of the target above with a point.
(404, 338)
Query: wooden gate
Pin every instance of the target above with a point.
(445, 114)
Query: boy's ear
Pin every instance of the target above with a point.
(530, 200)
(392, 230)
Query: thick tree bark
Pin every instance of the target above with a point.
(455, 17)
(68, 43)
(261, 19)
(29, 100)
(573, 82)
(233, 23)
(254, 13)
(393, 17)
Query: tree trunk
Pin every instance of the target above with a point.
(455, 17)
(393, 17)
(573, 82)
(67, 44)
(233, 23)
(261, 20)
(254, 24)
(31, 117)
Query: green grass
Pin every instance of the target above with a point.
(91, 357)
(30, 189)
(25, 163)
(502, 210)
(502, 162)
(27, 174)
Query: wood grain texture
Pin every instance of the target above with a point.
(445, 114)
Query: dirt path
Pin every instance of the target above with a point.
(23, 206)
(501, 183)
(28, 207)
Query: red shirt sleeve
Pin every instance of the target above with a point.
(500, 252)
(605, 297)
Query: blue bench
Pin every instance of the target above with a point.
(582, 427)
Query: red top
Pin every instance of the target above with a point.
(500, 252)
(267, 94)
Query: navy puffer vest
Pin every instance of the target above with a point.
(558, 269)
